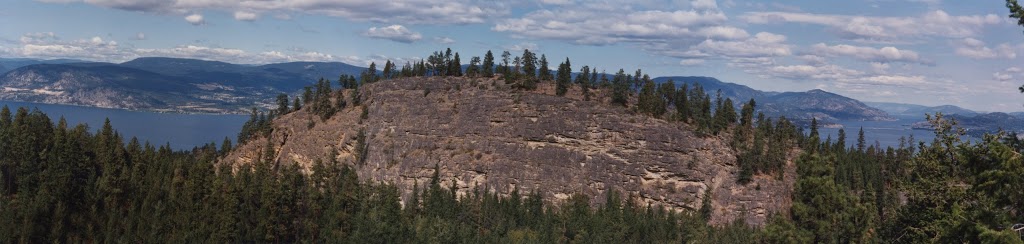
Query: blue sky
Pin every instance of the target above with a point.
(928, 52)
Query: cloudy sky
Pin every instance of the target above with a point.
(929, 52)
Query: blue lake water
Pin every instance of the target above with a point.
(887, 133)
(181, 131)
(184, 131)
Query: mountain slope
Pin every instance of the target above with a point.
(312, 70)
(738, 92)
(181, 66)
(8, 64)
(894, 108)
(944, 109)
(164, 84)
(487, 135)
(101, 86)
(982, 124)
(219, 87)
(822, 105)
(913, 111)
(798, 106)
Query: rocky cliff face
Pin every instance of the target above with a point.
(481, 134)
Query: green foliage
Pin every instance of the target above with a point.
(357, 97)
(487, 68)
(455, 66)
(529, 65)
(725, 114)
(362, 148)
(282, 104)
(258, 125)
(563, 80)
(1016, 12)
(322, 105)
(474, 67)
(389, 70)
(370, 74)
(649, 101)
(764, 149)
(66, 185)
(824, 207)
(667, 92)
(682, 104)
(620, 88)
(545, 72)
(583, 80)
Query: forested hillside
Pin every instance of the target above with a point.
(65, 183)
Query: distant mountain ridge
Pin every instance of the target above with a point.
(980, 124)
(200, 86)
(798, 106)
(913, 111)
(162, 84)
(8, 64)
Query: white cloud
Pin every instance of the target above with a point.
(691, 62)
(233, 55)
(556, 2)
(812, 59)
(523, 46)
(896, 80)
(763, 44)
(195, 19)
(880, 68)
(245, 16)
(1007, 74)
(140, 36)
(396, 11)
(751, 64)
(48, 45)
(38, 37)
(1000, 76)
(443, 40)
(884, 55)
(597, 24)
(724, 32)
(704, 4)
(885, 29)
(810, 72)
(396, 33)
(976, 49)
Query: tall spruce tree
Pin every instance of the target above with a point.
(487, 68)
(545, 72)
(620, 88)
(564, 78)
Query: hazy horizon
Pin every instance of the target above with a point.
(918, 52)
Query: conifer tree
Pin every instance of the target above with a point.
(282, 104)
(649, 102)
(545, 72)
(505, 63)
(682, 104)
(529, 64)
(487, 69)
(860, 140)
(564, 78)
(455, 67)
(583, 80)
(389, 68)
(474, 67)
(620, 88)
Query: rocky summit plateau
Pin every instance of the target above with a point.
(482, 134)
